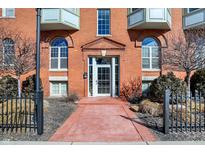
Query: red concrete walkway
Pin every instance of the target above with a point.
(102, 119)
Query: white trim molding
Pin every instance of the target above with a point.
(58, 78)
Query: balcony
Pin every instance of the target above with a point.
(149, 18)
(194, 19)
(60, 19)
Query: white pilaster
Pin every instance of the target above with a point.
(94, 76)
(113, 77)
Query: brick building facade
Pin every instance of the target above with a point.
(93, 51)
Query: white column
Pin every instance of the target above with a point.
(113, 77)
(94, 77)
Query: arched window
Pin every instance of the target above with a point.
(8, 51)
(59, 54)
(150, 53)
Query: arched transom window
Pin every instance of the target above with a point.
(59, 54)
(8, 51)
(150, 54)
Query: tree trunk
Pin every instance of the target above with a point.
(19, 87)
(188, 74)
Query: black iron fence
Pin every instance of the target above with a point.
(184, 112)
(23, 113)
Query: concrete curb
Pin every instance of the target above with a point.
(102, 143)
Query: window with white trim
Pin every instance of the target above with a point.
(8, 12)
(8, 51)
(58, 88)
(59, 54)
(103, 22)
(150, 54)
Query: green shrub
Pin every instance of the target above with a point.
(159, 85)
(198, 81)
(8, 86)
(29, 85)
(131, 91)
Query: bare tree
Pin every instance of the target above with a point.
(186, 52)
(17, 54)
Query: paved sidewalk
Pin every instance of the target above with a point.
(102, 119)
(102, 143)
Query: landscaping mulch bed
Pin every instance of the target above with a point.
(155, 125)
(56, 111)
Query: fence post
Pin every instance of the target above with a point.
(166, 111)
(39, 97)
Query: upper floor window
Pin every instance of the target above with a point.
(189, 10)
(59, 54)
(150, 53)
(8, 51)
(8, 12)
(103, 21)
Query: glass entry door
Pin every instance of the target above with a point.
(103, 76)
(103, 80)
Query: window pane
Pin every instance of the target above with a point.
(155, 63)
(155, 52)
(103, 21)
(145, 63)
(63, 88)
(145, 52)
(59, 42)
(54, 63)
(54, 52)
(9, 51)
(149, 41)
(55, 88)
(90, 61)
(64, 52)
(64, 63)
(8, 59)
(10, 12)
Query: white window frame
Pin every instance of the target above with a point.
(97, 25)
(4, 13)
(59, 84)
(150, 58)
(59, 59)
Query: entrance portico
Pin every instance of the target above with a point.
(102, 58)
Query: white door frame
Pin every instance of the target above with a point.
(95, 67)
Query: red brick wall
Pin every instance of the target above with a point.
(130, 59)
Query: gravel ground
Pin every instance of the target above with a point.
(155, 125)
(56, 111)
